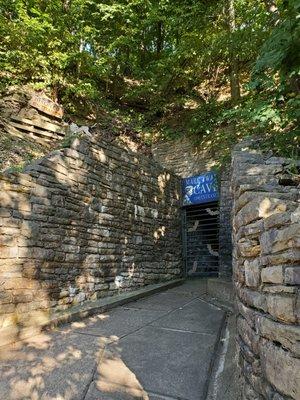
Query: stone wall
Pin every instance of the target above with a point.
(266, 238)
(225, 232)
(184, 159)
(83, 223)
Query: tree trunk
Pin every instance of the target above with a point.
(126, 67)
(143, 53)
(159, 38)
(234, 65)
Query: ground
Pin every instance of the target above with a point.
(163, 347)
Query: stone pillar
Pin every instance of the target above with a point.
(266, 241)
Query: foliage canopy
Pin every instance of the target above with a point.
(151, 54)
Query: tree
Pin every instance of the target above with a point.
(234, 66)
(84, 48)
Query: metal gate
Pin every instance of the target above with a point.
(201, 239)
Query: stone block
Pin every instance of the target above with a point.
(253, 298)
(254, 229)
(275, 240)
(245, 198)
(250, 393)
(282, 307)
(281, 369)
(280, 289)
(287, 335)
(8, 320)
(277, 396)
(239, 273)
(261, 207)
(258, 261)
(290, 256)
(277, 220)
(276, 160)
(292, 275)
(252, 275)
(8, 334)
(245, 352)
(8, 252)
(248, 313)
(248, 335)
(248, 247)
(295, 216)
(272, 274)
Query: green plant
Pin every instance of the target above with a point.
(16, 168)
(69, 139)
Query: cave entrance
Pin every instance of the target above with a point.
(201, 224)
(200, 213)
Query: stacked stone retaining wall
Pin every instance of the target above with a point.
(182, 157)
(266, 239)
(185, 159)
(83, 223)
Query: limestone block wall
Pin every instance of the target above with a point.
(225, 244)
(83, 223)
(266, 239)
(184, 159)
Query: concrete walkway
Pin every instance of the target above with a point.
(157, 348)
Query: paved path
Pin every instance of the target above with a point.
(157, 348)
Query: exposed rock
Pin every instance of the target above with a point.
(75, 129)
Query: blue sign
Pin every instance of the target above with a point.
(200, 189)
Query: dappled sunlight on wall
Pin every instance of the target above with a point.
(19, 285)
(159, 232)
(81, 224)
(267, 208)
(162, 181)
